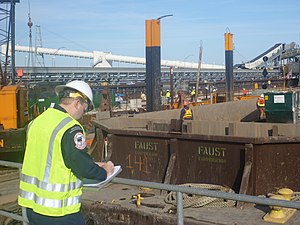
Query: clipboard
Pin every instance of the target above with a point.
(96, 184)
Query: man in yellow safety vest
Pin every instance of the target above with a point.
(56, 160)
(168, 96)
(186, 112)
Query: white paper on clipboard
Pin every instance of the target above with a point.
(97, 184)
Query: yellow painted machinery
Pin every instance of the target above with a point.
(13, 98)
(13, 118)
(14, 106)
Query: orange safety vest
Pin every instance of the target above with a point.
(261, 102)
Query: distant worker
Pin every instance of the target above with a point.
(244, 91)
(119, 98)
(179, 99)
(186, 112)
(168, 96)
(261, 107)
(143, 96)
(56, 160)
(193, 95)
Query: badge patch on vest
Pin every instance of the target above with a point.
(79, 141)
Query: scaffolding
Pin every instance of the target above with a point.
(7, 38)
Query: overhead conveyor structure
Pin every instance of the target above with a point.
(273, 56)
(105, 59)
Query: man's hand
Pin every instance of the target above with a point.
(108, 166)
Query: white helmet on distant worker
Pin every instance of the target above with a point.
(79, 86)
(262, 95)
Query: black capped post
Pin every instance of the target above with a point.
(229, 65)
(153, 70)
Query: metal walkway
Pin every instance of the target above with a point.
(125, 75)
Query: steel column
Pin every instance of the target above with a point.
(229, 66)
(153, 71)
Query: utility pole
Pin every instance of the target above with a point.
(198, 71)
(172, 85)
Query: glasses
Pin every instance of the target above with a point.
(82, 102)
(82, 98)
(86, 108)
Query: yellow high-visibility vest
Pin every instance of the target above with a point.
(47, 186)
(188, 114)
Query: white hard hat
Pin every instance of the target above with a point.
(79, 86)
(262, 95)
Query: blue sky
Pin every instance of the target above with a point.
(118, 26)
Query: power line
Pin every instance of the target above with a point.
(241, 55)
(67, 39)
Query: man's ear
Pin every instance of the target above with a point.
(76, 103)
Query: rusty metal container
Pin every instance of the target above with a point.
(251, 158)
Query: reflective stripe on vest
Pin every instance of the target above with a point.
(50, 202)
(63, 123)
(188, 114)
(50, 187)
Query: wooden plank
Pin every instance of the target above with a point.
(246, 173)
(170, 168)
(171, 164)
(8, 199)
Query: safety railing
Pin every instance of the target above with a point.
(22, 218)
(179, 200)
(204, 192)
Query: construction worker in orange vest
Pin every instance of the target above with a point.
(261, 106)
